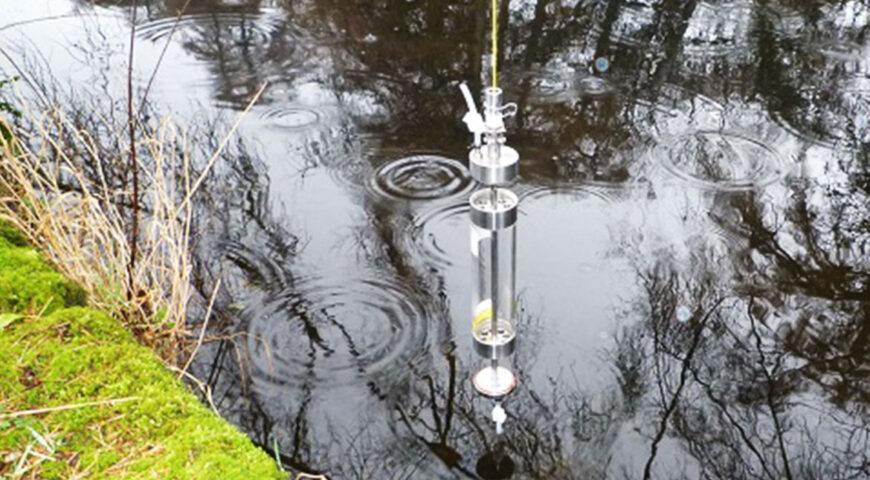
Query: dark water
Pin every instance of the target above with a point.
(693, 245)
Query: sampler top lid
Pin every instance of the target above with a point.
(494, 164)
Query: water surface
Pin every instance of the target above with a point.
(693, 243)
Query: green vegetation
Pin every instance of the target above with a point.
(105, 406)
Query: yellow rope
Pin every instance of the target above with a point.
(494, 43)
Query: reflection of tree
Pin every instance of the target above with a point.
(406, 57)
(248, 248)
(722, 382)
(730, 387)
(745, 386)
(732, 383)
(804, 80)
(815, 251)
(451, 421)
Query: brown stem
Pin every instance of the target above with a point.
(178, 18)
(134, 164)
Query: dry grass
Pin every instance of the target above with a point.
(54, 187)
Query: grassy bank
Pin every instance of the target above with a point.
(81, 398)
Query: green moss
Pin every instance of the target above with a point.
(28, 285)
(13, 236)
(75, 355)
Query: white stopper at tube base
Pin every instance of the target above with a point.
(499, 416)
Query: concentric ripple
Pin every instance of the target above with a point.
(253, 28)
(550, 84)
(570, 193)
(291, 118)
(594, 87)
(722, 161)
(332, 332)
(546, 84)
(421, 177)
(440, 235)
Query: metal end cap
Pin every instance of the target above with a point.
(495, 350)
(494, 209)
(494, 382)
(494, 169)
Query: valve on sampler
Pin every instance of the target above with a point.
(495, 112)
(473, 119)
(496, 164)
(491, 123)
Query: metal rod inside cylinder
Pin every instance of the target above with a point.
(494, 287)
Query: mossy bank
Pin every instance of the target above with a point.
(80, 398)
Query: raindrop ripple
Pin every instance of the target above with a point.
(333, 332)
(421, 177)
(721, 161)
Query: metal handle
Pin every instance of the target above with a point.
(469, 99)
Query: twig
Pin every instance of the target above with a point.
(134, 164)
(62, 408)
(221, 147)
(202, 332)
(160, 58)
(45, 307)
(206, 390)
(723, 407)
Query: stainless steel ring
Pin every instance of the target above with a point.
(494, 170)
(494, 208)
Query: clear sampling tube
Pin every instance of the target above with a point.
(493, 248)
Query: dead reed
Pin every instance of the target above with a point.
(55, 188)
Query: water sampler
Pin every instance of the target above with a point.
(495, 166)
(494, 207)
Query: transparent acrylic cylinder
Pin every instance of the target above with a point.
(493, 249)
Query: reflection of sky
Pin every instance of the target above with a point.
(98, 59)
(15, 12)
(851, 14)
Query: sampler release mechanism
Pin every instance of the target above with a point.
(491, 162)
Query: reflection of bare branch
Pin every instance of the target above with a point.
(723, 407)
(684, 375)
(770, 386)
